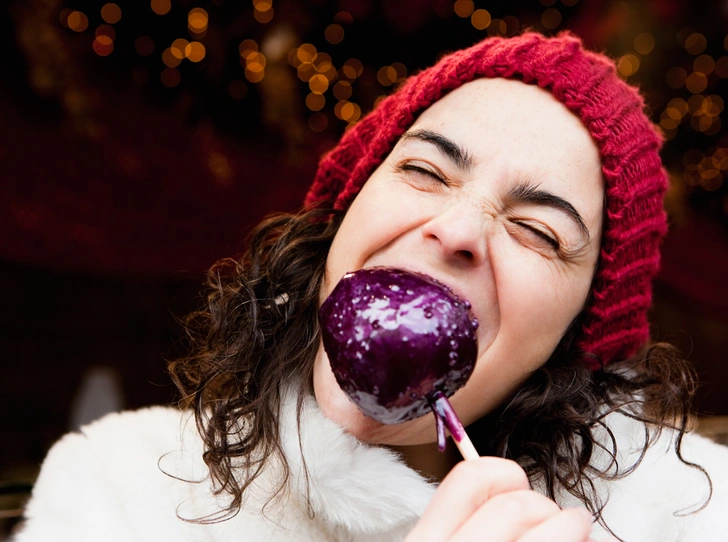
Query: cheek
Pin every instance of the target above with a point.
(537, 302)
(381, 213)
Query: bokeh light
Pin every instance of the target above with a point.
(315, 101)
(144, 45)
(696, 82)
(318, 122)
(334, 34)
(628, 64)
(342, 90)
(105, 30)
(551, 18)
(480, 19)
(103, 45)
(247, 48)
(170, 58)
(695, 43)
(464, 8)
(178, 48)
(170, 77)
(644, 43)
(237, 89)
(197, 21)
(721, 67)
(704, 64)
(263, 11)
(318, 84)
(352, 68)
(111, 13)
(77, 21)
(386, 76)
(161, 7)
(497, 27)
(676, 77)
(195, 51)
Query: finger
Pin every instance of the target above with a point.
(569, 525)
(507, 516)
(463, 491)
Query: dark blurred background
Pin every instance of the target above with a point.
(141, 139)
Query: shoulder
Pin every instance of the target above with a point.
(91, 479)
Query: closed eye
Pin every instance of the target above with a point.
(417, 167)
(553, 242)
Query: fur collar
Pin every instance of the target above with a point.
(131, 476)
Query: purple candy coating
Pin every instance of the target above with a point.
(394, 338)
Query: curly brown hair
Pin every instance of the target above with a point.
(259, 329)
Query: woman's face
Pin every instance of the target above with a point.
(496, 191)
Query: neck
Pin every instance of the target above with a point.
(428, 461)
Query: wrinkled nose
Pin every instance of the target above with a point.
(459, 233)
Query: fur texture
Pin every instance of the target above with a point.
(131, 477)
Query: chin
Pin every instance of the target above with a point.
(337, 407)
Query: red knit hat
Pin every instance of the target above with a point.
(615, 320)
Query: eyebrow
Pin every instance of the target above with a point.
(528, 192)
(457, 154)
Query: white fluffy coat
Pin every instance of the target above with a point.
(130, 477)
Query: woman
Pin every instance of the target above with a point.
(523, 173)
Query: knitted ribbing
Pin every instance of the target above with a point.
(614, 322)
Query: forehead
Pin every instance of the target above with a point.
(511, 128)
(504, 112)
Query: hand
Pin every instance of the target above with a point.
(490, 499)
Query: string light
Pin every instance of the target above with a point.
(332, 89)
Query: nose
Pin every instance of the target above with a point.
(459, 233)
